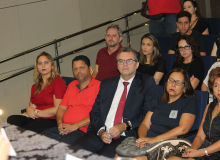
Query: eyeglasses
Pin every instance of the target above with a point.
(187, 47)
(178, 82)
(128, 61)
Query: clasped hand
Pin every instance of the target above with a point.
(115, 131)
(67, 128)
(141, 142)
(30, 112)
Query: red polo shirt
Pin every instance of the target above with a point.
(164, 6)
(107, 63)
(79, 103)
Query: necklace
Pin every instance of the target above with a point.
(187, 66)
(194, 22)
(216, 113)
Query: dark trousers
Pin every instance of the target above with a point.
(69, 138)
(36, 125)
(91, 142)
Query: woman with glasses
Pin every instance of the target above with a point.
(189, 59)
(46, 95)
(206, 145)
(151, 62)
(197, 23)
(171, 114)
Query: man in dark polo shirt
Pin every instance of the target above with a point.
(183, 20)
(106, 64)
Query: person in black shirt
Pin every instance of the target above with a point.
(216, 48)
(151, 62)
(172, 113)
(198, 23)
(183, 24)
(189, 59)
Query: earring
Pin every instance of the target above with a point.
(183, 91)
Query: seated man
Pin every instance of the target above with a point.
(106, 65)
(183, 20)
(120, 106)
(73, 112)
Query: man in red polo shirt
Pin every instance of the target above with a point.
(73, 112)
(106, 64)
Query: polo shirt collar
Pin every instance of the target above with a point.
(92, 82)
(106, 50)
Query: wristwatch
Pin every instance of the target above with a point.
(128, 127)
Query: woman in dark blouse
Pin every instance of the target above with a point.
(216, 48)
(197, 23)
(189, 59)
(151, 62)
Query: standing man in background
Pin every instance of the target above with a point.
(163, 15)
(106, 64)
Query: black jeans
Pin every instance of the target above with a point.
(36, 125)
(69, 138)
(92, 142)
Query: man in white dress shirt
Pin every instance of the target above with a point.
(120, 106)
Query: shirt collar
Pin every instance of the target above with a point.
(89, 85)
(130, 80)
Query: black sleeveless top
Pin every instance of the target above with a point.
(212, 132)
(217, 41)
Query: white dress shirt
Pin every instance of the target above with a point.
(109, 122)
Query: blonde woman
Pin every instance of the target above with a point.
(46, 95)
(151, 62)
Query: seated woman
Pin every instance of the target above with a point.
(151, 62)
(46, 95)
(216, 48)
(189, 59)
(176, 110)
(197, 23)
(206, 145)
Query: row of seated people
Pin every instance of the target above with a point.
(116, 106)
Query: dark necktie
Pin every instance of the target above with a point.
(120, 109)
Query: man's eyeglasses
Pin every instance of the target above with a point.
(128, 61)
(178, 82)
(187, 47)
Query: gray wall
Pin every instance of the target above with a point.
(23, 27)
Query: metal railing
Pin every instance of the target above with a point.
(71, 52)
(67, 37)
(74, 51)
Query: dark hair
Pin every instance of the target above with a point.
(195, 5)
(82, 58)
(183, 14)
(194, 46)
(189, 91)
(127, 49)
(156, 52)
(215, 73)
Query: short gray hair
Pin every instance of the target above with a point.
(116, 27)
(127, 49)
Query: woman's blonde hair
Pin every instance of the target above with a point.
(156, 52)
(37, 76)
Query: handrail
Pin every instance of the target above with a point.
(67, 37)
(71, 52)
